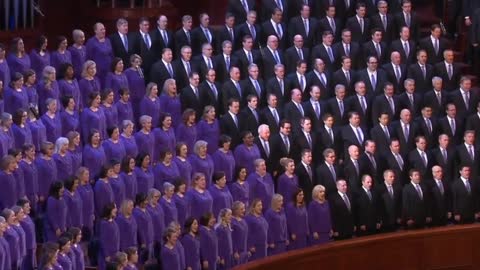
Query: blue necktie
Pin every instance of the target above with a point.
(257, 88)
(330, 54)
(275, 55)
(237, 85)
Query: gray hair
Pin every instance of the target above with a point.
(127, 123)
(47, 71)
(317, 189)
(198, 144)
(77, 33)
(258, 161)
(59, 143)
(152, 192)
(436, 79)
(88, 64)
(144, 118)
(339, 87)
(276, 197)
(121, 22)
(408, 81)
(262, 127)
(167, 186)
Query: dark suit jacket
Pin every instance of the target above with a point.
(269, 30)
(279, 149)
(339, 78)
(119, 49)
(243, 30)
(414, 108)
(199, 38)
(320, 51)
(243, 61)
(268, 62)
(222, 71)
(159, 43)
(464, 158)
(266, 117)
(415, 161)
(353, 105)
(139, 47)
(391, 207)
(250, 123)
(159, 73)
(229, 90)
(324, 25)
(405, 145)
(397, 45)
(370, 168)
(449, 84)
(370, 50)
(333, 109)
(349, 138)
(367, 211)
(427, 45)
(351, 175)
(327, 91)
(448, 165)
(228, 127)
(292, 78)
(190, 100)
(325, 140)
(223, 34)
(304, 181)
(325, 178)
(464, 204)
(430, 99)
(236, 8)
(249, 89)
(376, 22)
(456, 98)
(292, 57)
(201, 66)
(362, 75)
(181, 40)
(473, 123)
(441, 203)
(301, 143)
(430, 135)
(382, 141)
(342, 218)
(181, 74)
(444, 128)
(401, 173)
(414, 207)
(392, 77)
(207, 96)
(380, 105)
(269, 5)
(414, 24)
(270, 160)
(292, 113)
(273, 87)
(355, 54)
(354, 26)
(317, 122)
(422, 84)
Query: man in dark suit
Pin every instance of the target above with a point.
(250, 28)
(304, 25)
(337, 107)
(464, 98)
(353, 133)
(271, 115)
(163, 68)
(441, 197)
(254, 86)
(247, 56)
(467, 154)
(416, 202)
(294, 111)
(359, 24)
(436, 98)
(298, 80)
(342, 209)
(282, 142)
(328, 135)
(227, 32)
(183, 36)
(279, 86)
(407, 18)
(421, 72)
(386, 103)
(373, 77)
(264, 145)
(381, 133)
(296, 53)
(405, 130)
(271, 56)
(268, 6)
(190, 96)
(346, 47)
(345, 9)
(233, 89)
(249, 116)
(315, 108)
(203, 34)
(240, 9)
(361, 104)
(444, 156)
(306, 174)
(345, 76)
(328, 172)
(319, 77)
(452, 124)
(305, 139)
(370, 161)
(428, 126)
(162, 37)
(384, 21)
(351, 168)
(331, 23)
(420, 159)
(390, 193)
(183, 67)
(121, 43)
(204, 61)
(210, 92)
(434, 45)
(368, 218)
(143, 46)
(405, 46)
(375, 47)
(224, 61)
(230, 122)
(411, 99)
(473, 123)
(449, 71)
(394, 161)
(325, 52)
(275, 27)
(465, 197)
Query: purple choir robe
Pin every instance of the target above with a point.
(165, 173)
(209, 133)
(145, 179)
(30, 260)
(71, 88)
(191, 245)
(30, 178)
(19, 64)
(297, 223)
(170, 210)
(65, 261)
(20, 182)
(2, 106)
(64, 166)
(103, 195)
(39, 62)
(164, 140)
(181, 252)
(15, 99)
(125, 112)
(5, 255)
(6, 142)
(79, 256)
(116, 82)
(187, 135)
(198, 204)
(93, 158)
(114, 150)
(130, 267)
(261, 188)
(151, 108)
(225, 246)
(128, 231)
(93, 120)
(118, 188)
(44, 93)
(257, 236)
(277, 231)
(32, 95)
(136, 82)
(222, 198)
(5, 73)
(70, 122)
(13, 240)
(39, 133)
(185, 169)
(170, 258)
(57, 58)
(208, 246)
(102, 54)
(146, 231)
(78, 59)
(172, 106)
(53, 126)
(145, 143)
(76, 155)
(47, 174)
(157, 215)
(22, 240)
(245, 157)
(109, 242)
(88, 208)
(240, 192)
(181, 205)
(224, 162)
(130, 183)
(55, 218)
(130, 144)
(74, 204)
(87, 87)
(111, 116)
(287, 186)
(319, 221)
(202, 165)
(23, 135)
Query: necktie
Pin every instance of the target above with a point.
(340, 106)
(390, 191)
(252, 32)
(369, 194)
(406, 132)
(189, 69)
(227, 62)
(355, 164)
(360, 21)
(384, 22)
(170, 70)
(385, 130)
(165, 36)
(282, 87)
(347, 202)
(410, 98)
(230, 31)
(322, 79)
(209, 63)
(299, 107)
(347, 76)
(419, 191)
(424, 72)
(302, 83)
(406, 48)
(397, 73)
(279, 4)
(207, 35)
(330, 54)
(399, 161)
(279, 31)
(187, 33)
(214, 90)
(332, 24)
(467, 186)
(275, 116)
(392, 105)
(452, 126)
(305, 24)
(407, 19)
(429, 125)
(440, 187)
(300, 54)
(257, 88)
(237, 85)
(309, 171)
(436, 46)
(424, 158)
(277, 58)
(363, 104)
(378, 49)
(439, 98)
(374, 81)
(286, 142)
(372, 160)
(255, 114)
(450, 71)
(146, 38)
(331, 134)
(332, 171)
(347, 49)
(444, 154)
(347, 4)
(250, 58)
(125, 42)
(471, 152)
(309, 140)
(245, 5)
(359, 135)
(195, 91)
(235, 119)
(467, 100)
(317, 109)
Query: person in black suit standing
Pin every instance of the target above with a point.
(361, 104)
(190, 96)
(387, 103)
(319, 77)
(375, 47)
(315, 108)
(275, 27)
(162, 37)
(143, 46)
(203, 34)
(210, 92)
(473, 123)
(411, 99)
(384, 21)
(405, 46)
(434, 45)
(444, 156)
(370, 161)
(268, 7)
(279, 86)
(416, 202)
(227, 32)
(337, 107)
(368, 218)
(395, 71)
(465, 197)
(282, 141)
(449, 71)
(428, 126)
(240, 9)
(305, 26)
(247, 56)
(271, 56)
(249, 116)
(250, 28)
(381, 133)
(233, 89)
(294, 111)
(328, 172)
(351, 168)
(204, 61)
(421, 72)
(296, 53)
(306, 174)
(420, 159)
(342, 209)
(407, 18)
(298, 80)
(254, 86)
(390, 196)
(353, 133)
(345, 76)
(331, 23)
(163, 68)
(346, 47)
(405, 130)
(305, 139)
(464, 98)
(224, 61)
(183, 67)
(183, 36)
(441, 197)
(328, 134)
(373, 77)
(230, 122)
(436, 98)
(359, 24)
(325, 51)
(121, 42)
(467, 153)
(452, 124)
(271, 115)
(264, 145)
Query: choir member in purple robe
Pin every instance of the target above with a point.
(201, 161)
(2, 102)
(245, 154)
(63, 159)
(48, 260)
(20, 129)
(116, 78)
(89, 83)
(5, 255)
(240, 189)
(150, 104)
(223, 159)
(167, 203)
(128, 140)
(47, 172)
(113, 146)
(187, 132)
(319, 218)
(222, 198)
(77, 248)
(145, 223)
(15, 96)
(179, 246)
(68, 85)
(30, 174)
(69, 117)
(127, 225)
(169, 254)
(30, 260)
(99, 49)
(124, 107)
(208, 130)
(93, 117)
(18, 172)
(12, 237)
(93, 154)
(297, 221)
(144, 137)
(55, 221)
(63, 259)
(109, 109)
(129, 177)
(61, 55)
(38, 129)
(47, 88)
(257, 231)
(239, 234)
(277, 226)
(51, 120)
(78, 52)
(18, 60)
(170, 102)
(88, 206)
(39, 56)
(73, 200)
(144, 174)
(108, 235)
(164, 136)
(199, 199)
(4, 68)
(30, 85)
(223, 230)
(120, 260)
(191, 244)
(165, 170)
(157, 213)
(180, 200)
(288, 181)
(260, 183)
(208, 242)
(184, 166)
(136, 82)
(75, 149)
(132, 257)
(17, 226)
(103, 190)
(118, 186)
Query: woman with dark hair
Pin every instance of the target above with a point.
(201, 161)
(183, 165)
(150, 104)
(47, 172)
(170, 102)
(109, 109)
(103, 190)
(128, 140)
(127, 225)
(63, 159)
(132, 257)
(20, 129)
(144, 221)
(93, 117)
(129, 177)
(75, 149)
(68, 85)
(288, 181)
(61, 55)
(257, 231)
(93, 154)
(30, 260)
(179, 200)
(118, 186)
(18, 60)
(47, 88)
(108, 235)
(4, 69)
(15, 96)
(223, 159)
(79, 262)
(165, 170)
(169, 254)
(85, 191)
(113, 146)
(78, 52)
(12, 238)
(30, 85)
(30, 174)
(208, 241)
(144, 137)
(143, 171)
(69, 117)
(239, 234)
(136, 81)
(157, 214)
(124, 107)
(223, 230)
(187, 132)
(199, 199)
(220, 194)
(73, 201)
(116, 78)
(297, 221)
(89, 83)
(55, 221)
(246, 153)
(39, 56)
(208, 129)
(51, 120)
(277, 226)
(164, 136)
(65, 245)
(38, 129)
(99, 49)
(8, 192)
(169, 208)
(239, 189)
(191, 244)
